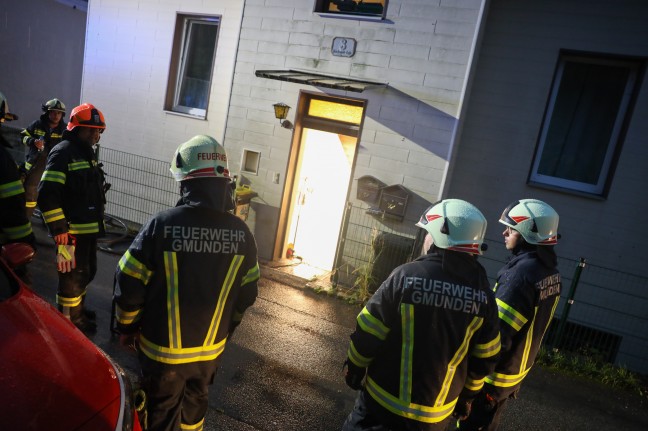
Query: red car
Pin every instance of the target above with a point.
(51, 376)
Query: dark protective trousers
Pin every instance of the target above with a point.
(73, 284)
(176, 394)
(367, 415)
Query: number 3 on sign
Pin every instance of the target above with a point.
(343, 47)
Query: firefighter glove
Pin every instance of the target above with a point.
(462, 408)
(65, 261)
(354, 375)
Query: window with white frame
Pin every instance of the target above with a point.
(192, 64)
(586, 116)
(375, 9)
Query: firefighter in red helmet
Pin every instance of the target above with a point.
(71, 198)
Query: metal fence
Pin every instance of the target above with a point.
(605, 311)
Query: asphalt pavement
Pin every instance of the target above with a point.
(282, 370)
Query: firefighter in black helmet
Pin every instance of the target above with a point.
(40, 137)
(14, 225)
(429, 335)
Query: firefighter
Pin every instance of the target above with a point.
(183, 286)
(39, 138)
(527, 292)
(71, 198)
(14, 225)
(429, 335)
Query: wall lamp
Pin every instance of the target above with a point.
(281, 112)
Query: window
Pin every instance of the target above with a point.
(192, 64)
(360, 8)
(582, 131)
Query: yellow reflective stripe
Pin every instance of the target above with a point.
(17, 232)
(181, 355)
(506, 380)
(56, 135)
(53, 215)
(408, 410)
(28, 165)
(11, 189)
(77, 166)
(252, 275)
(237, 261)
(528, 342)
(510, 315)
(194, 427)
(127, 317)
(54, 176)
(356, 357)
(30, 204)
(372, 325)
(489, 349)
(458, 357)
(474, 385)
(84, 228)
(407, 351)
(129, 265)
(69, 302)
(173, 301)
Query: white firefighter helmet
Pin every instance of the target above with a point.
(455, 224)
(200, 157)
(534, 219)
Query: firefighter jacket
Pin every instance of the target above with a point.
(71, 192)
(186, 281)
(527, 292)
(14, 225)
(428, 335)
(40, 129)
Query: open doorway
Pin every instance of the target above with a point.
(320, 169)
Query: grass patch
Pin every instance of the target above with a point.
(590, 365)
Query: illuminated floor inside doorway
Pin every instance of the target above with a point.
(298, 268)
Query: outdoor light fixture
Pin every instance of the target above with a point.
(281, 112)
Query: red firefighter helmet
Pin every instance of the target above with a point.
(86, 115)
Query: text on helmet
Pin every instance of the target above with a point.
(212, 156)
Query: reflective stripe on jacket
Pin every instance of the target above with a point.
(70, 194)
(427, 335)
(185, 282)
(40, 129)
(14, 225)
(527, 292)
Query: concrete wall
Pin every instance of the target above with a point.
(41, 55)
(421, 50)
(504, 114)
(126, 72)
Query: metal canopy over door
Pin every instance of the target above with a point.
(319, 176)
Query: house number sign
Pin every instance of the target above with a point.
(343, 47)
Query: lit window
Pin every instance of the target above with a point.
(584, 124)
(360, 8)
(192, 64)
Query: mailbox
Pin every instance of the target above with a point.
(369, 188)
(393, 201)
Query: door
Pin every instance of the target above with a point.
(324, 151)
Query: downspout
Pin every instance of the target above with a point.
(229, 102)
(465, 95)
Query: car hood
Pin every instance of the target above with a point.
(51, 375)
